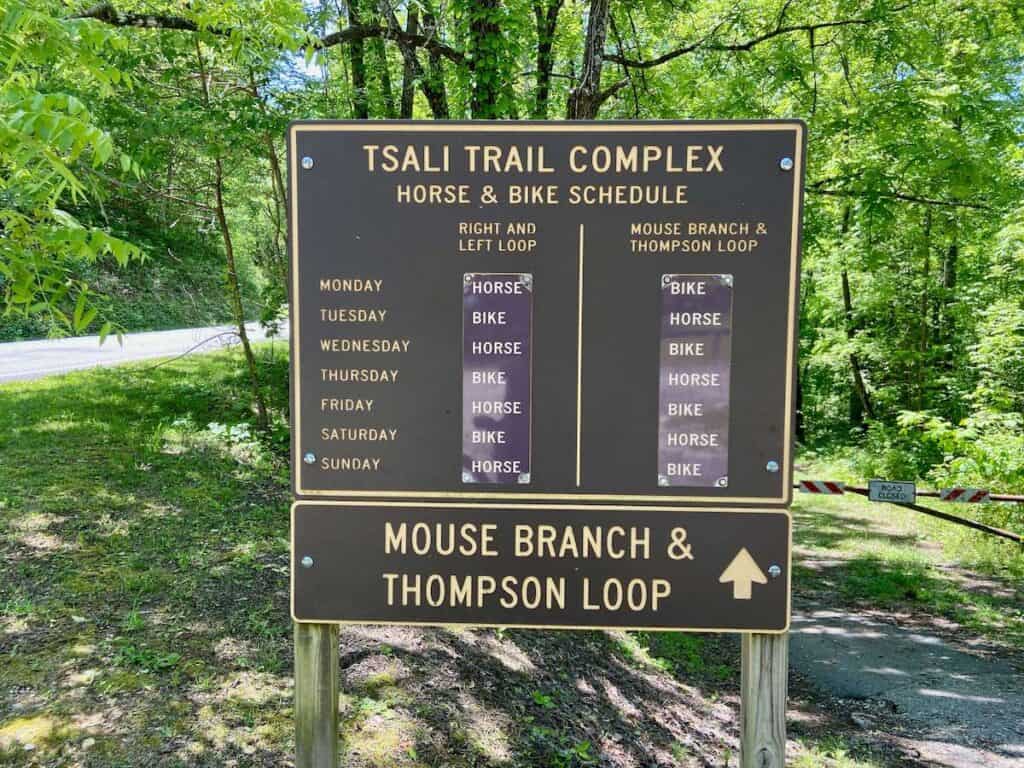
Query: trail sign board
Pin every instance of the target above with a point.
(561, 313)
(503, 565)
(896, 491)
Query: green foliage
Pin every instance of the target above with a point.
(51, 152)
(116, 133)
(984, 448)
(834, 752)
(543, 700)
(559, 750)
(144, 659)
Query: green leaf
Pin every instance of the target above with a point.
(87, 318)
(79, 309)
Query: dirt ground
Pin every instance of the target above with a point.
(144, 622)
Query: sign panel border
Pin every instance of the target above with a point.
(536, 507)
(668, 502)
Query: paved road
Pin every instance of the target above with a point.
(23, 360)
(959, 710)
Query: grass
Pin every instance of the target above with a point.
(892, 558)
(143, 553)
(144, 620)
(834, 752)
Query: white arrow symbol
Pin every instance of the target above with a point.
(742, 571)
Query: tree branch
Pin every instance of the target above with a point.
(400, 36)
(108, 14)
(666, 57)
(745, 45)
(817, 190)
(611, 90)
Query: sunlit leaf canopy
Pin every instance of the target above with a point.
(913, 277)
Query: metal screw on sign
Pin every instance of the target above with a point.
(307, 162)
(774, 571)
(772, 466)
(307, 562)
(309, 458)
(786, 163)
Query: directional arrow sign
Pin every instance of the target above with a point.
(510, 565)
(742, 571)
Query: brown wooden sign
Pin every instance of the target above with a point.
(506, 565)
(562, 313)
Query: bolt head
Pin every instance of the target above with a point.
(307, 562)
(772, 466)
(309, 458)
(774, 571)
(786, 163)
(307, 162)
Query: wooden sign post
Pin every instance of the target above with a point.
(542, 376)
(764, 669)
(316, 695)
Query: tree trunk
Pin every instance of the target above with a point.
(277, 263)
(165, 206)
(586, 98)
(234, 289)
(943, 320)
(863, 399)
(485, 47)
(357, 63)
(386, 92)
(235, 296)
(409, 65)
(949, 269)
(922, 339)
(799, 424)
(279, 266)
(275, 169)
(547, 21)
(433, 84)
(860, 400)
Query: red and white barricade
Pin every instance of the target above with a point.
(965, 495)
(824, 487)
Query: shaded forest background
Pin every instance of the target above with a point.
(142, 147)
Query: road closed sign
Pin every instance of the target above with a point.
(897, 491)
